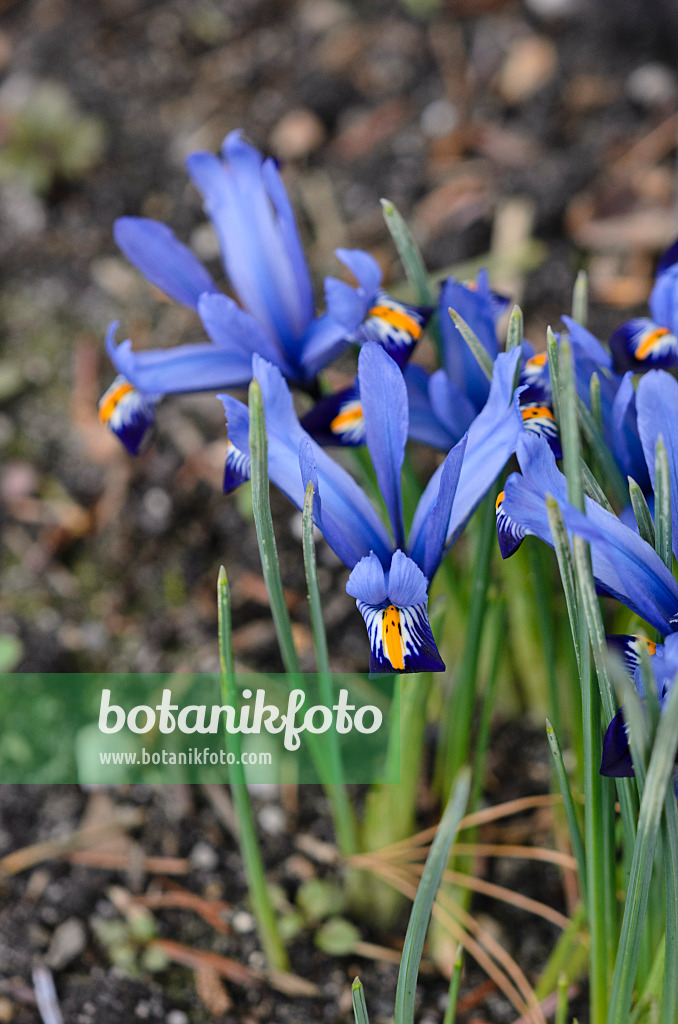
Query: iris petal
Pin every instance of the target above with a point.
(154, 249)
(641, 344)
(657, 404)
(128, 413)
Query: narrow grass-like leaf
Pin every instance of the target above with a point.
(651, 807)
(561, 1000)
(591, 609)
(561, 544)
(342, 810)
(592, 488)
(263, 521)
(662, 504)
(453, 993)
(359, 1004)
(473, 342)
(554, 371)
(426, 893)
(580, 298)
(410, 254)
(570, 811)
(641, 512)
(514, 334)
(669, 1010)
(596, 406)
(569, 428)
(267, 925)
(601, 452)
(464, 693)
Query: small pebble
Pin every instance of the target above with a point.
(242, 922)
(68, 942)
(204, 857)
(176, 1017)
(272, 819)
(652, 85)
(6, 1011)
(156, 509)
(530, 64)
(439, 119)
(297, 134)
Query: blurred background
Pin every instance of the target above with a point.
(541, 133)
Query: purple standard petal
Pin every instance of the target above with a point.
(258, 239)
(664, 296)
(492, 439)
(587, 343)
(179, 370)
(163, 260)
(351, 525)
(624, 440)
(384, 400)
(424, 424)
(657, 409)
(427, 545)
(236, 332)
(476, 307)
(323, 341)
(364, 268)
(453, 410)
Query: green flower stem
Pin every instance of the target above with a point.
(453, 994)
(542, 574)
(464, 693)
(426, 892)
(263, 521)
(570, 810)
(342, 811)
(669, 1010)
(267, 925)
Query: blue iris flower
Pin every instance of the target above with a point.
(646, 343)
(616, 761)
(246, 201)
(368, 313)
(624, 565)
(390, 574)
(444, 404)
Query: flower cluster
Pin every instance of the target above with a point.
(638, 403)
(477, 419)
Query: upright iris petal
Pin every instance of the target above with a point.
(657, 404)
(263, 257)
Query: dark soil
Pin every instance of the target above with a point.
(110, 563)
